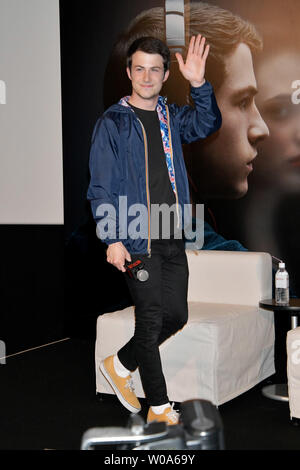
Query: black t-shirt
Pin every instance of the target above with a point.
(160, 188)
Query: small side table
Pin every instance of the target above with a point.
(280, 391)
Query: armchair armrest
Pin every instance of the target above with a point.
(230, 277)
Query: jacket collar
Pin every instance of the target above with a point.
(161, 103)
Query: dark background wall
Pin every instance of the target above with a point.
(31, 285)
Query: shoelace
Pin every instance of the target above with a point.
(173, 415)
(129, 384)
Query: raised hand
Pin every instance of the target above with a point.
(193, 69)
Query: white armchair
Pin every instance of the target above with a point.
(293, 371)
(226, 347)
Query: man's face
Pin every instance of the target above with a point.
(147, 77)
(222, 163)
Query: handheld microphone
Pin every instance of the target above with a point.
(136, 270)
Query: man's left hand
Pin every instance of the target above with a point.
(193, 69)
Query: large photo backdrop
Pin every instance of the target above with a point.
(248, 173)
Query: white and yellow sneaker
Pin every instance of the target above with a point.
(169, 415)
(122, 386)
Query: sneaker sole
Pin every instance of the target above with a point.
(116, 390)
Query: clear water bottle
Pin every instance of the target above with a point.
(282, 296)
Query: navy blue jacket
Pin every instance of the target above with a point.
(118, 159)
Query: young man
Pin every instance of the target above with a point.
(136, 153)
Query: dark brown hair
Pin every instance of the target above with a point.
(149, 45)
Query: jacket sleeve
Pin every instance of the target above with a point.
(203, 119)
(215, 241)
(211, 240)
(103, 190)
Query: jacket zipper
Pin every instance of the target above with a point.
(147, 188)
(171, 150)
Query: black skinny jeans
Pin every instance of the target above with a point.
(160, 311)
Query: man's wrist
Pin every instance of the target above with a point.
(197, 84)
(112, 244)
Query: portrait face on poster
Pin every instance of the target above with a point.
(279, 162)
(227, 158)
(249, 171)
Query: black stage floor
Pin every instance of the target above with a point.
(48, 401)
